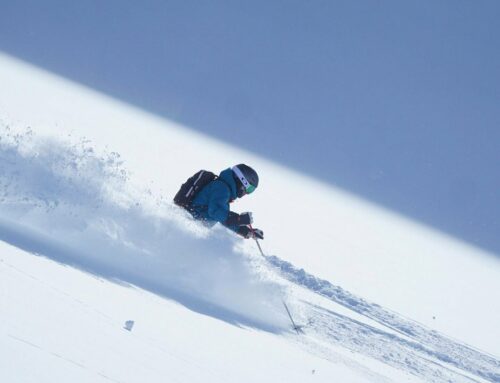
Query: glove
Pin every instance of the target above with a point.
(248, 233)
(258, 234)
(242, 219)
(245, 219)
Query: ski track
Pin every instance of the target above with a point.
(429, 354)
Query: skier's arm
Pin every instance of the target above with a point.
(218, 203)
(243, 225)
(218, 210)
(249, 232)
(234, 219)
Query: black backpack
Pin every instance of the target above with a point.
(192, 186)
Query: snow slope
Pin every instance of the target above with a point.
(60, 325)
(86, 181)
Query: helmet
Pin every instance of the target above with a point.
(247, 179)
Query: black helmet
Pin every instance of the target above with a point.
(246, 178)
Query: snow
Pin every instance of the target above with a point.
(71, 329)
(86, 182)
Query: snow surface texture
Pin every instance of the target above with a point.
(412, 346)
(70, 203)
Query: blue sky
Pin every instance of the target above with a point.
(397, 102)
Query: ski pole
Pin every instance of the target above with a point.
(297, 328)
(260, 248)
(257, 242)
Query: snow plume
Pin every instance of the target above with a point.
(72, 203)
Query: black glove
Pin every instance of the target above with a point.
(234, 219)
(258, 234)
(247, 233)
(245, 219)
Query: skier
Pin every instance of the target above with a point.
(209, 201)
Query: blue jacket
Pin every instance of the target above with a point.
(211, 204)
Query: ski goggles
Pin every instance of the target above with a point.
(249, 188)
